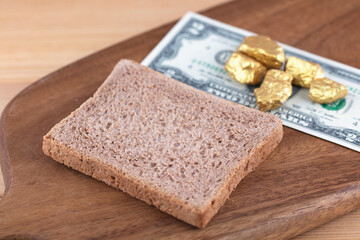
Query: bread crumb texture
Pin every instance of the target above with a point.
(164, 142)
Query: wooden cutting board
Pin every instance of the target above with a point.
(305, 182)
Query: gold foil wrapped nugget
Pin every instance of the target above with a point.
(275, 90)
(324, 90)
(303, 71)
(264, 50)
(244, 69)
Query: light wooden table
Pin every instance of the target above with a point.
(38, 37)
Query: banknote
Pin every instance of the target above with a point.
(195, 52)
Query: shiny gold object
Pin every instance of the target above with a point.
(274, 90)
(303, 71)
(324, 90)
(244, 69)
(264, 50)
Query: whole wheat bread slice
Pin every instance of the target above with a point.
(164, 142)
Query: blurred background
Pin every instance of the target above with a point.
(39, 36)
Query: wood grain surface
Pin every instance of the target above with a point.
(315, 26)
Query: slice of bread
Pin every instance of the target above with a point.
(164, 142)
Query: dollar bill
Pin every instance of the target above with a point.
(196, 49)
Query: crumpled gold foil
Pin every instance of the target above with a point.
(264, 50)
(303, 71)
(324, 90)
(274, 90)
(244, 69)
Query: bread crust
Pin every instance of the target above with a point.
(120, 180)
(167, 203)
(147, 192)
(255, 157)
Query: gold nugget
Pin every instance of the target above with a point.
(275, 90)
(324, 90)
(264, 50)
(303, 71)
(244, 69)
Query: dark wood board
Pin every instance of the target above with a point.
(304, 183)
